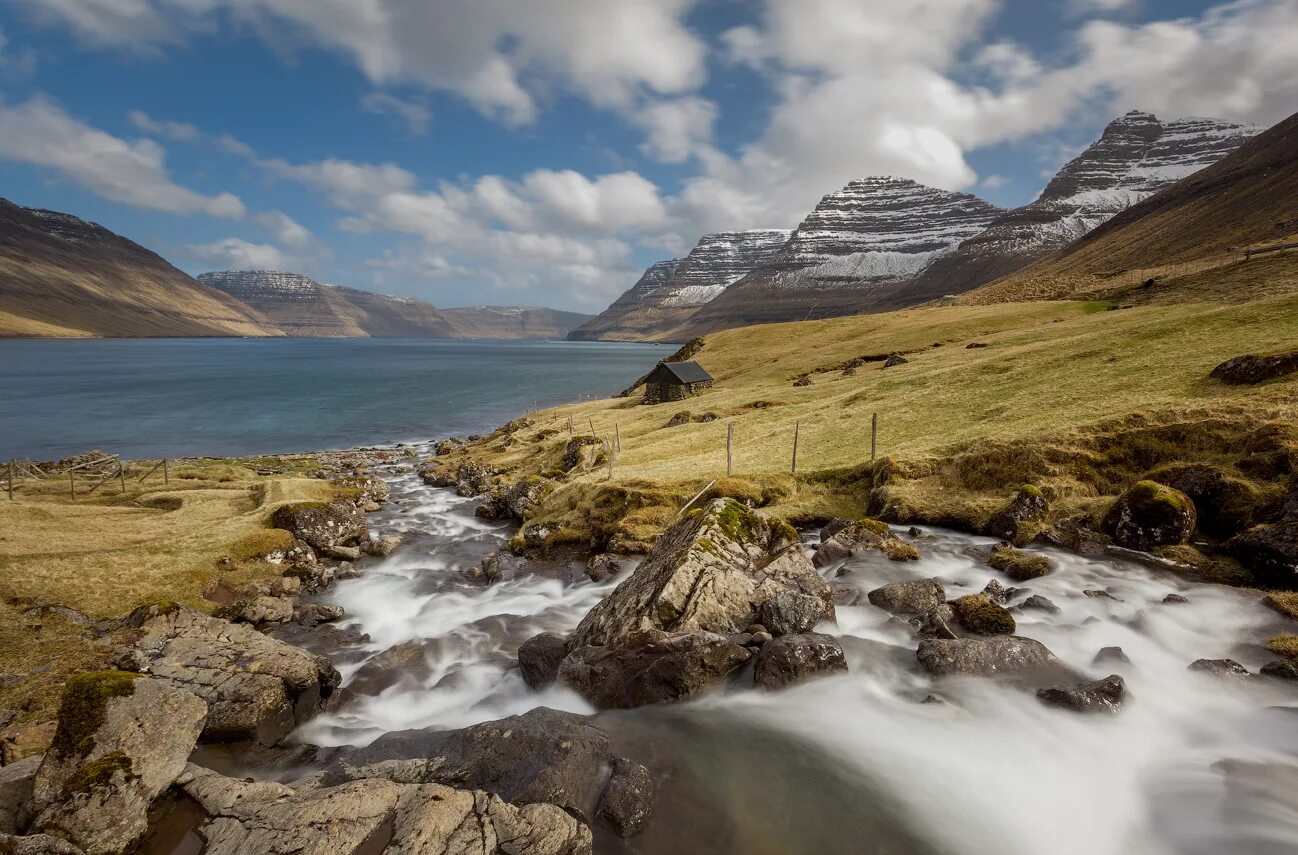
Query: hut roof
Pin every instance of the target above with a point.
(680, 372)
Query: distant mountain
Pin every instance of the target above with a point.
(512, 322)
(63, 276)
(1246, 200)
(669, 291)
(873, 233)
(303, 307)
(1136, 156)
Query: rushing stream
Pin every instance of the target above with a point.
(856, 763)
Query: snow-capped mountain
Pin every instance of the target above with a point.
(1135, 157)
(669, 291)
(873, 232)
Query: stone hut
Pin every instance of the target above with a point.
(675, 381)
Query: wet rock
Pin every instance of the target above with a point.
(314, 614)
(16, 781)
(1173, 599)
(984, 657)
(761, 637)
(861, 536)
(1022, 519)
(1096, 594)
(789, 612)
(1219, 667)
(650, 666)
(255, 686)
(382, 547)
(1271, 552)
(1251, 369)
(1225, 504)
(409, 660)
(333, 524)
(997, 592)
(794, 658)
(1036, 601)
(602, 567)
(1281, 669)
(1100, 696)
(915, 531)
(1111, 656)
(845, 594)
(978, 614)
(342, 553)
(539, 658)
(937, 622)
(121, 741)
(710, 571)
(910, 597)
(833, 527)
(36, 844)
(542, 756)
(628, 799)
(1019, 566)
(1148, 515)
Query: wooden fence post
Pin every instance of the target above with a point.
(571, 430)
(11, 479)
(617, 437)
(730, 448)
(121, 476)
(591, 422)
(874, 435)
(797, 427)
(72, 485)
(165, 478)
(612, 457)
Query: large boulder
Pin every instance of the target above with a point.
(789, 612)
(984, 657)
(1105, 695)
(374, 816)
(1271, 552)
(323, 525)
(1225, 504)
(1251, 369)
(981, 615)
(16, 781)
(539, 658)
(1022, 519)
(516, 501)
(121, 741)
(794, 658)
(257, 687)
(1148, 515)
(543, 756)
(650, 666)
(859, 537)
(711, 571)
(910, 597)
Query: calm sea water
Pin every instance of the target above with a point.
(178, 397)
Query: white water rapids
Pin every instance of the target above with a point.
(855, 763)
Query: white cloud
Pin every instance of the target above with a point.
(992, 182)
(499, 54)
(1083, 7)
(284, 228)
(40, 133)
(180, 131)
(238, 254)
(676, 129)
(415, 114)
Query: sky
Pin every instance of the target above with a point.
(544, 152)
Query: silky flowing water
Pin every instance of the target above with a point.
(856, 763)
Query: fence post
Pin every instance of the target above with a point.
(72, 485)
(121, 476)
(617, 437)
(730, 448)
(874, 435)
(165, 479)
(11, 479)
(571, 430)
(797, 427)
(591, 421)
(612, 457)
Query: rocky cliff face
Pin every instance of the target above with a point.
(669, 291)
(874, 232)
(513, 322)
(1135, 157)
(64, 276)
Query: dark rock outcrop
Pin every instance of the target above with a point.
(794, 658)
(649, 667)
(1249, 370)
(1019, 566)
(1148, 515)
(1105, 696)
(1271, 552)
(1022, 519)
(539, 658)
(1219, 667)
(980, 615)
(1224, 504)
(985, 657)
(910, 597)
(860, 536)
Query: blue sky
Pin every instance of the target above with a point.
(545, 152)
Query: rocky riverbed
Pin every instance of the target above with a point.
(743, 687)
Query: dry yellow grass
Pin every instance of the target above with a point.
(109, 552)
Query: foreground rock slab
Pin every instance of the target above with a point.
(796, 658)
(650, 667)
(375, 816)
(910, 597)
(984, 657)
(257, 687)
(1099, 696)
(121, 741)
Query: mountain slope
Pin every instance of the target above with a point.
(512, 322)
(63, 276)
(1136, 156)
(1195, 229)
(872, 233)
(669, 291)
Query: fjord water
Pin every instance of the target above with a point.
(188, 397)
(856, 763)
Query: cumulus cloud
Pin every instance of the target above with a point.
(676, 129)
(180, 131)
(414, 114)
(494, 53)
(238, 254)
(41, 133)
(284, 228)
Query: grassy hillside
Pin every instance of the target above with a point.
(1057, 388)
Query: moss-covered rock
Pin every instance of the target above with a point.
(1022, 519)
(1020, 566)
(1284, 645)
(1150, 514)
(1271, 552)
(979, 614)
(1224, 502)
(81, 712)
